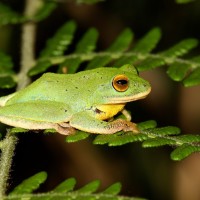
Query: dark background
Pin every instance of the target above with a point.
(145, 173)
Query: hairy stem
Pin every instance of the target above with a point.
(27, 59)
(8, 148)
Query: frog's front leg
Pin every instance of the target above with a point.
(86, 122)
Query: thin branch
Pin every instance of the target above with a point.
(116, 55)
(27, 60)
(27, 45)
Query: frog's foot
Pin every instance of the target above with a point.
(85, 122)
(123, 125)
(64, 129)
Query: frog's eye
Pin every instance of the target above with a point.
(120, 83)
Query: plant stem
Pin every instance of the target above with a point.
(27, 45)
(6, 160)
(27, 59)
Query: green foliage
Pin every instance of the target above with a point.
(65, 190)
(85, 46)
(55, 47)
(119, 53)
(150, 136)
(88, 1)
(6, 72)
(45, 10)
(30, 184)
(8, 16)
(184, 1)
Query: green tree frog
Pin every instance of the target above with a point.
(86, 101)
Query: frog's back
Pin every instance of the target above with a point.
(48, 87)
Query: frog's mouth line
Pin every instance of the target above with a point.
(125, 99)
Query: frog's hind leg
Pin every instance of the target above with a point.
(62, 128)
(36, 115)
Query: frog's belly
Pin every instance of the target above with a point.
(108, 111)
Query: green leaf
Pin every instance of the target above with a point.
(61, 40)
(88, 43)
(104, 139)
(69, 65)
(168, 130)
(181, 48)
(189, 138)
(148, 42)
(7, 82)
(88, 1)
(66, 186)
(30, 184)
(147, 125)
(113, 189)
(6, 63)
(156, 142)
(184, 151)
(150, 63)
(45, 10)
(184, 1)
(143, 46)
(8, 16)
(79, 135)
(90, 187)
(125, 60)
(18, 130)
(40, 67)
(178, 71)
(85, 46)
(127, 138)
(120, 44)
(193, 79)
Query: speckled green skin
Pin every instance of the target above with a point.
(68, 101)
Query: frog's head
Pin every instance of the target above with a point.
(122, 85)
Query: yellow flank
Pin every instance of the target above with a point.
(108, 110)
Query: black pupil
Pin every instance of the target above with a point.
(122, 82)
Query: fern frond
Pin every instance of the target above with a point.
(66, 186)
(55, 47)
(148, 42)
(184, 151)
(193, 78)
(30, 184)
(177, 71)
(59, 43)
(6, 71)
(8, 16)
(140, 55)
(121, 44)
(80, 135)
(88, 1)
(90, 187)
(144, 46)
(180, 49)
(85, 46)
(150, 136)
(184, 1)
(156, 143)
(65, 190)
(45, 10)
